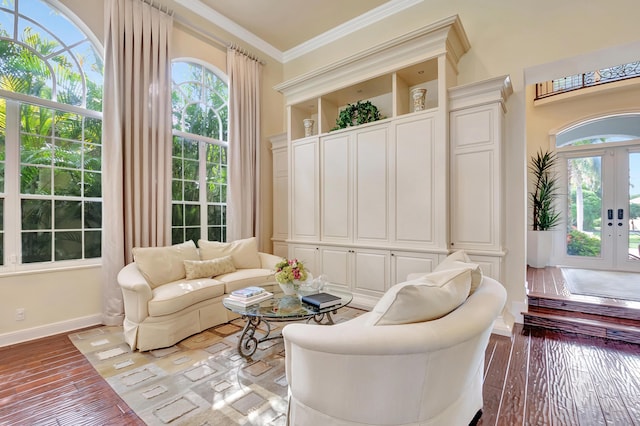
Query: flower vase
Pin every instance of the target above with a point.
(288, 288)
(419, 96)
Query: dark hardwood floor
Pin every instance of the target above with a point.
(536, 377)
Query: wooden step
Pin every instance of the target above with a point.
(587, 325)
(586, 304)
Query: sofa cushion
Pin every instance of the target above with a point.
(243, 252)
(161, 265)
(430, 297)
(246, 277)
(175, 296)
(460, 259)
(208, 268)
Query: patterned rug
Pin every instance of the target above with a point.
(202, 380)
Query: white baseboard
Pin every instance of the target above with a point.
(502, 326)
(49, 330)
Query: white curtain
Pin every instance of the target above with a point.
(245, 87)
(136, 139)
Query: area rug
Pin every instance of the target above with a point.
(608, 284)
(202, 380)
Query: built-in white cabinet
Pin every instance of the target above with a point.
(477, 170)
(371, 204)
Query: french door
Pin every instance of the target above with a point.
(601, 208)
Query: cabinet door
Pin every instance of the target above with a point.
(371, 271)
(476, 182)
(405, 263)
(280, 194)
(307, 254)
(336, 265)
(336, 188)
(304, 190)
(416, 184)
(372, 185)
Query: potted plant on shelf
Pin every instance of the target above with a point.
(356, 114)
(544, 214)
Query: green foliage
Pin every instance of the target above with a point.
(581, 244)
(545, 216)
(356, 114)
(591, 209)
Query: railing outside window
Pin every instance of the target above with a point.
(593, 78)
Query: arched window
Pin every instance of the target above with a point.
(51, 78)
(200, 101)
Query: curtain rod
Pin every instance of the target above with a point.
(212, 37)
(159, 6)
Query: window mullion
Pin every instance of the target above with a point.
(202, 178)
(12, 225)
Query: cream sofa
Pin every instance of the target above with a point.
(173, 292)
(402, 369)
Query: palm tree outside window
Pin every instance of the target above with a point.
(200, 101)
(51, 77)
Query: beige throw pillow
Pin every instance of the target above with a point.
(208, 268)
(430, 297)
(244, 253)
(161, 265)
(460, 259)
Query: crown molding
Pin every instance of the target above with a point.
(430, 41)
(379, 13)
(230, 26)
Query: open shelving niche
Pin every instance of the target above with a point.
(384, 74)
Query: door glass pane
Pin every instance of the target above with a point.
(584, 221)
(634, 206)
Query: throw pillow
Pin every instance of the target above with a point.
(244, 253)
(430, 297)
(208, 268)
(161, 265)
(460, 259)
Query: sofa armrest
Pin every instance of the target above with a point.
(136, 293)
(269, 261)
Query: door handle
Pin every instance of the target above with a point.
(610, 214)
(620, 214)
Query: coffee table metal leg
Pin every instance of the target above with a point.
(248, 342)
(324, 318)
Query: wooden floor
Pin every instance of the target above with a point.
(536, 377)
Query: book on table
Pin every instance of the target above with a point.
(321, 300)
(247, 292)
(246, 301)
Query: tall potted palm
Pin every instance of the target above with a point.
(545, 216)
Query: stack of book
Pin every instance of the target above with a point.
(248, 296)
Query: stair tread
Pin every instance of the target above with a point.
(585, 321)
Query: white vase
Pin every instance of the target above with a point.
(419, 96)
(288, 288)
(539, 246)
(308, 127)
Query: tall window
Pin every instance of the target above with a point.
(51, 79)
(199, 185)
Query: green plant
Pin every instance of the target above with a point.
(581, 244)
(356, 114)
(545, 192)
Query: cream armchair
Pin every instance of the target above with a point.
(423, 373)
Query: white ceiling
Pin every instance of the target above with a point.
(286, 28)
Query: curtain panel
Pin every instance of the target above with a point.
(137, 139)
(243, 198)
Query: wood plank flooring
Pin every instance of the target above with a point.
(536, 377)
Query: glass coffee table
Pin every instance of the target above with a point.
(280, 308)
